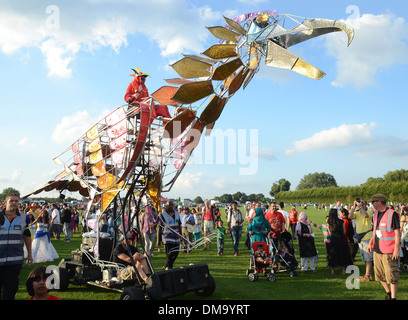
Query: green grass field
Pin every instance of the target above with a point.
(232, 283)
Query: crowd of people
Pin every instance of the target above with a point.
(378, 231)
(60, 218)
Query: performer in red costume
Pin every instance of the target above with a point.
(137, 92)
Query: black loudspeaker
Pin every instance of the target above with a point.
(197, 276)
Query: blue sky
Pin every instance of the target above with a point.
(66, 64)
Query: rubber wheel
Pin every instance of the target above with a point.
(253, 277)
(207, 291)
(271, 277)
(132, 293)
(292, 273)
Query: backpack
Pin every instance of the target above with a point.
(66, 216)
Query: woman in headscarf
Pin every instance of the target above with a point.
(338, 254)
(307, 248)
(259, 227)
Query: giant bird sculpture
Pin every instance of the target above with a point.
(140, 149)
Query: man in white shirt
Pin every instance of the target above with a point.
(55, 222)
(285, 214)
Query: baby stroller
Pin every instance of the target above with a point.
(259, 263)
(284, 258)
(404, 257)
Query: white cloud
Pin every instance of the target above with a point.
(342, 136)
(23, 141)
(60, 32)
(110, 34)
(57, 58)
(74, 126)
(15, 31)
(380, 41)
(187, 184)
(13, 177)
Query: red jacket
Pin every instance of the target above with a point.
(136, 86)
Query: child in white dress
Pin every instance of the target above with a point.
(42, 248)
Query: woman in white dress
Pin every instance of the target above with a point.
(42, 248)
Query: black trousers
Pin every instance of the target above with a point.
(9, 281)
(171, 256)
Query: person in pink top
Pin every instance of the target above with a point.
(209, 221)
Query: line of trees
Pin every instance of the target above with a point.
(394, 191)
(394, 185)
(322, 187)
(313, 187)
(243, 197)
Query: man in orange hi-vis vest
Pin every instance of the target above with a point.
(385, 243)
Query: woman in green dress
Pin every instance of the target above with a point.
(259, 227)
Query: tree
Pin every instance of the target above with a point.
(278, 186)
(372, 180)
(7, 191)
(317, 180)
(237, 196)
(198, 200)
(225, 198)
(243, 198)
(260, 198)
(396, 176)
